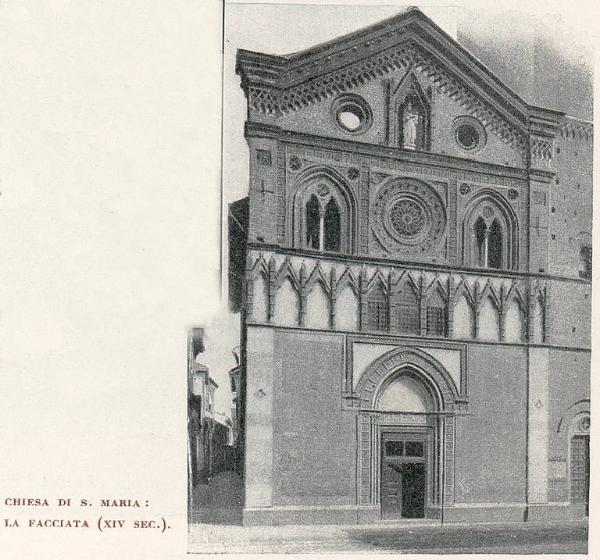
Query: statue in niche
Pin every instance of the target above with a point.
(410, 123)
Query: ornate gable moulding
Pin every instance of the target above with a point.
(276, 101)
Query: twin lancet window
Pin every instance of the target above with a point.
(490, 234)
(321, 214)
(323, 221)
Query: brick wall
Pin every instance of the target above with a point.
(314, 454)
(490, 442)
(569, 384)
(570, 223)
(569, 313)
(265, 165)
(317, 119)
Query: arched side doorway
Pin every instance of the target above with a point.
(579, 463)
(574, 433)
(406, 431)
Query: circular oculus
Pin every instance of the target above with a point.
(352, 114)
(469, 133)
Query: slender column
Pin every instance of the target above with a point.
(502, 319)
(321, 229)
(332, 297)
(272, 288)
(502, 312)
(476, 310)
(422, 306)
(450, 308)
(423, 315)
(486, 242)
(362, 287)
(303, 295)
(531, 312)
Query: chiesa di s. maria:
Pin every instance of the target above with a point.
(412, 267)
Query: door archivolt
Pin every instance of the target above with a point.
(422, 367)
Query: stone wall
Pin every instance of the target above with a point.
(491, 438)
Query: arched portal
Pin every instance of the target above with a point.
(404, 393)
(406, 435)
(407, 453)
(573, 435)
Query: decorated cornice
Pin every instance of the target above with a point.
(275, 85)
(276, 100)
(572, 128)
(386, 263)
(365, 46)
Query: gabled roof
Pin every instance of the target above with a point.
(278, 84)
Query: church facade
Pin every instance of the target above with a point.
(415, 287)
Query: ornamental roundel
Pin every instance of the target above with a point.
(584, 424)
(487, 212)
(408, 217)
(323, 190)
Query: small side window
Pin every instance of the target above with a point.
(586, 262)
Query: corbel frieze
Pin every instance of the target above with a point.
(303, 274)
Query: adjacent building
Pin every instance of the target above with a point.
(412, 266)
(210, 432)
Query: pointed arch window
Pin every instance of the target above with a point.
(322, 216)
(377, 310)
(480, 231)
(586, 262)
(407, 311)
(489, 243)
(494, 259)
(313, 226)
(331, 226)
(436, 316)
(323, 230)
(490, 238)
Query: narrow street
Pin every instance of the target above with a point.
(514, 538)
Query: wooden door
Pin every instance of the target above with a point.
(413, 490)
(403, 476)
(391, 490)
(580, 470)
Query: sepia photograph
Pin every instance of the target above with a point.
(297, 277)
(404, 364)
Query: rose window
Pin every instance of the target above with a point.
(407, 217)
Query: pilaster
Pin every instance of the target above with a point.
(540, 178)
(259, 418)
(272, 287)
(537, 426)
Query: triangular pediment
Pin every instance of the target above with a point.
(409, 42)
